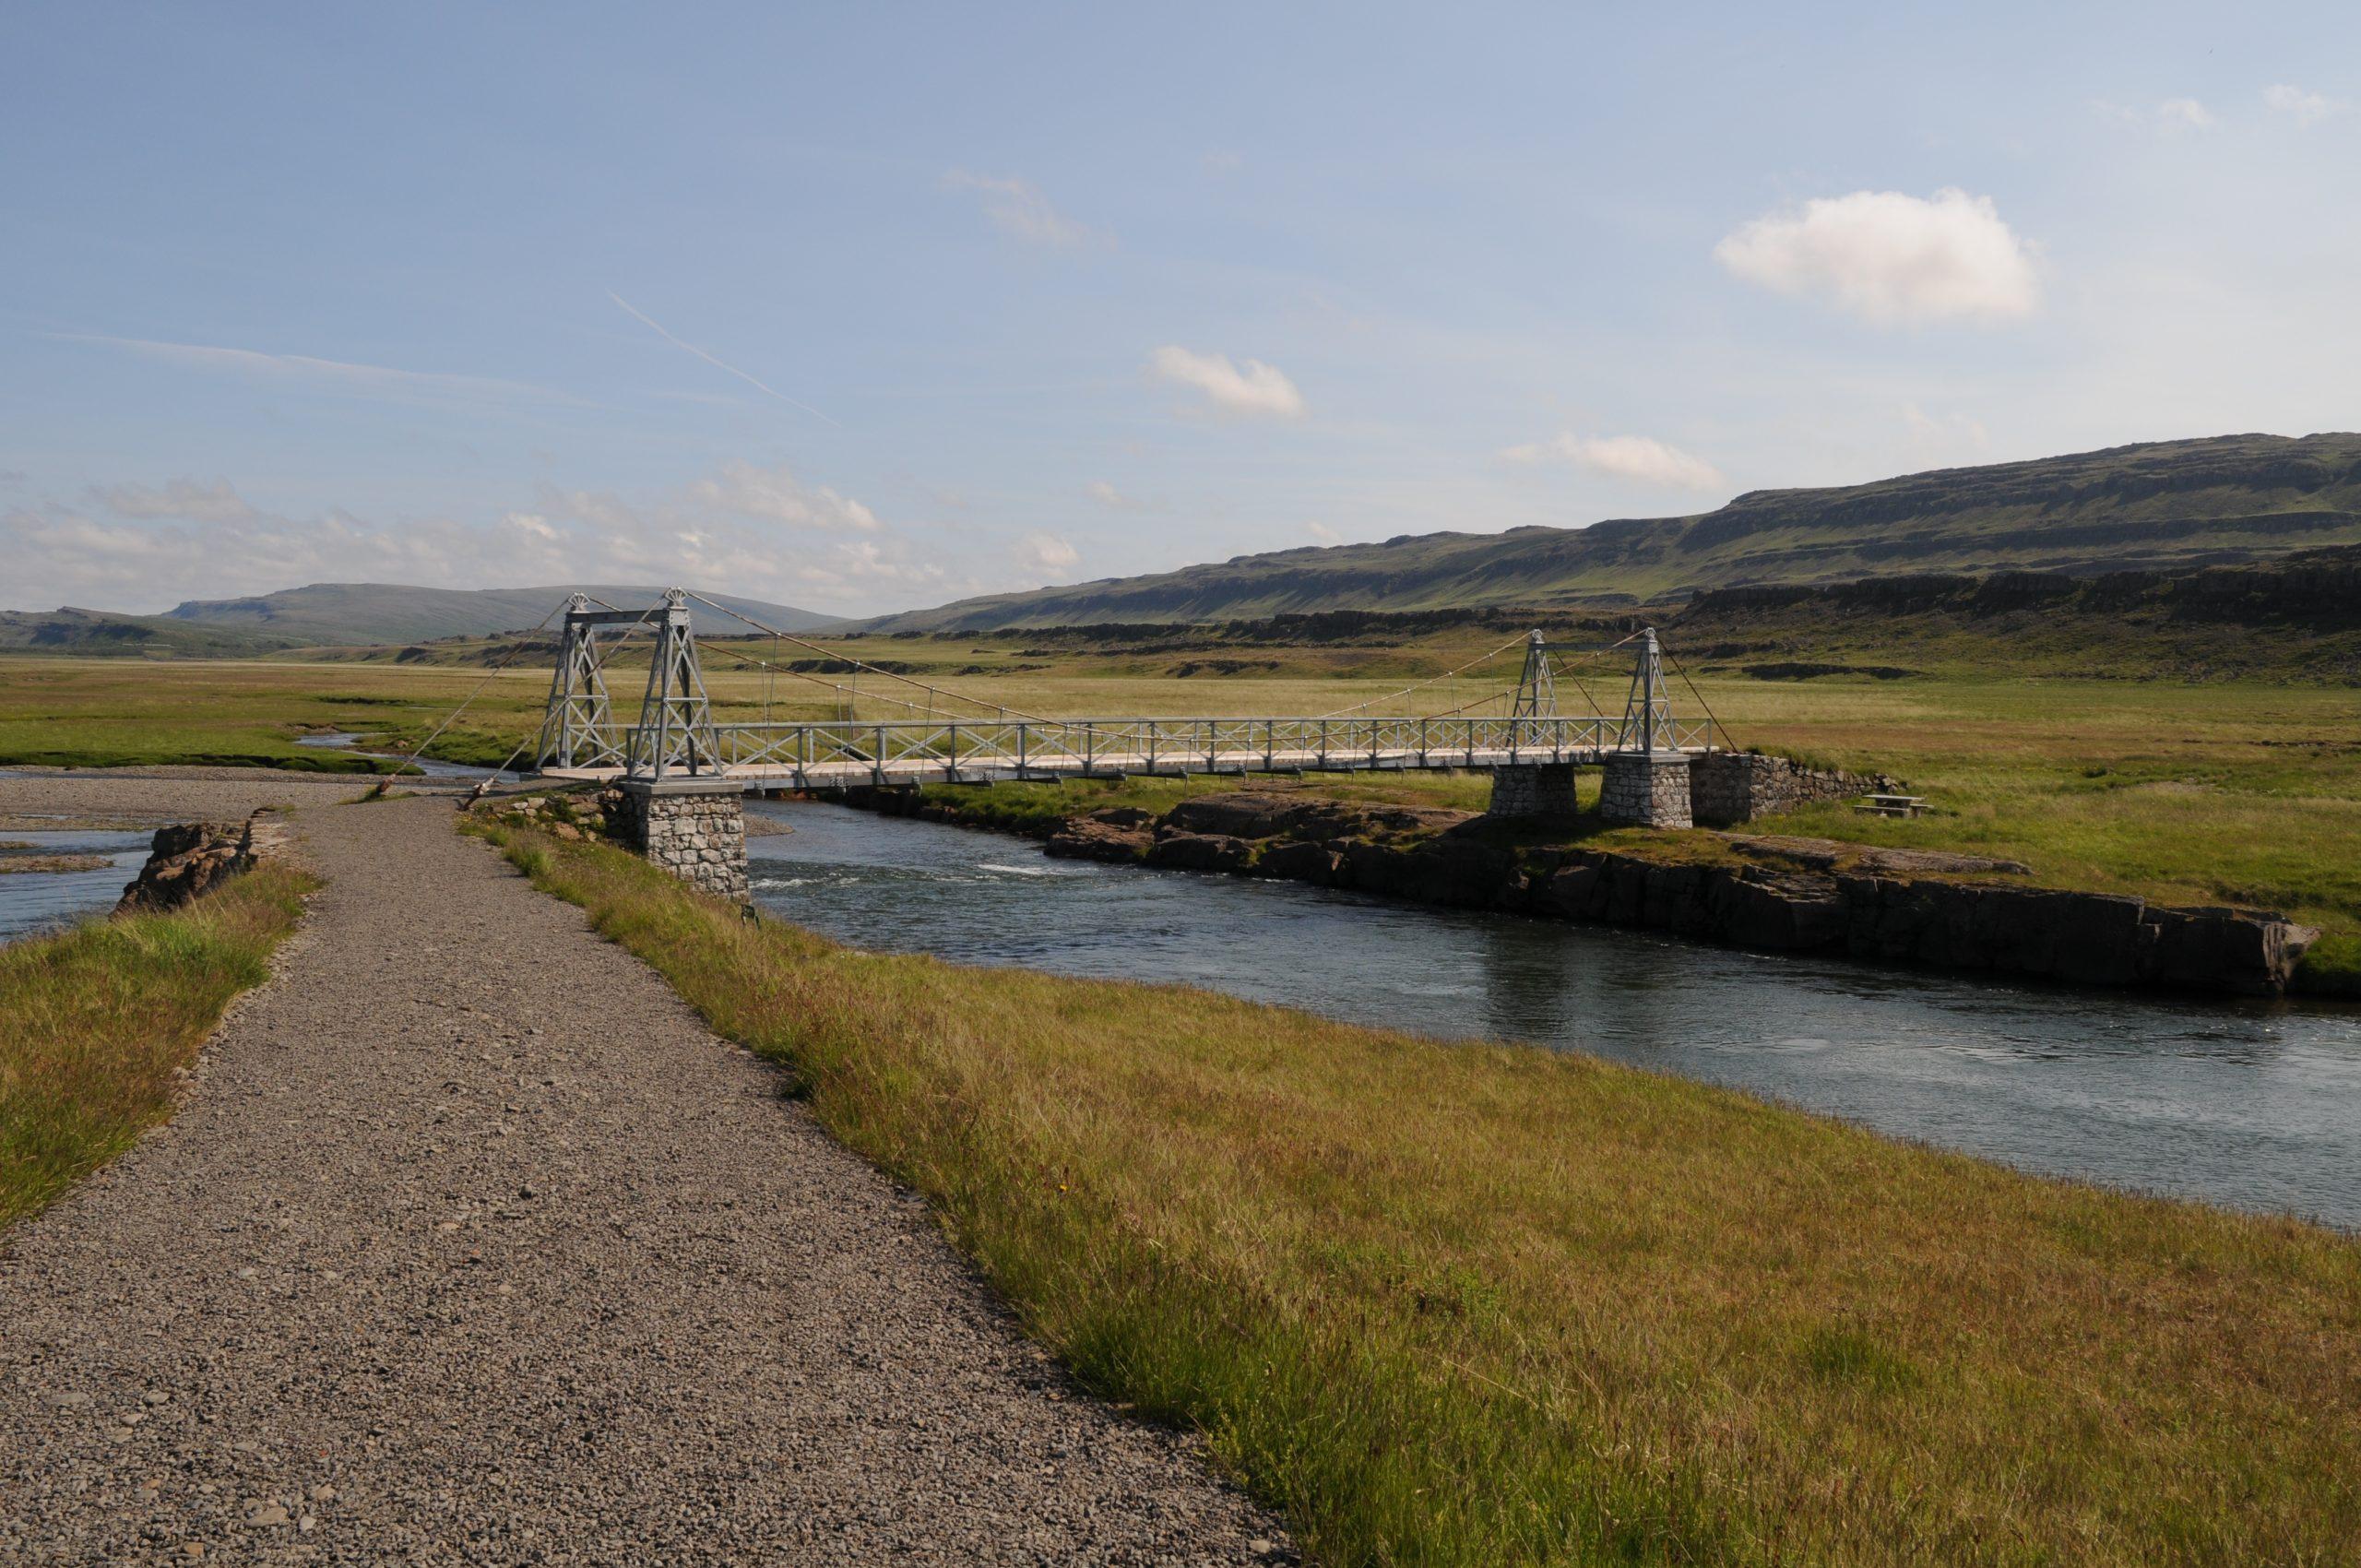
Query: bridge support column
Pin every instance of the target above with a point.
(1646, 789)
(695, 828)
(1533, 789)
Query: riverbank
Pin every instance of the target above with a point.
(1487, 1304)
(101, 1023)
(1771, 893)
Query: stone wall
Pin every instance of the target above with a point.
(1533, 789)
(695, 828)
(1728, 787)
(1646, 791)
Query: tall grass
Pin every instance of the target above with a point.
(94, 1020)
(1473, 1304)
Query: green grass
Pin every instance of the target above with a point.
(2238, 793)
(94, 1020)
(1478, 1304)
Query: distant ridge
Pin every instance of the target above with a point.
(347, 615)
(2160, 504)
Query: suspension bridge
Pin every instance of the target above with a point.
(678, 736)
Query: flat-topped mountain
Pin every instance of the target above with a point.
(2160, 504)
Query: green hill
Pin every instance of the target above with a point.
(2163, 505)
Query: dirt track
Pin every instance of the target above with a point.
(472, 1244)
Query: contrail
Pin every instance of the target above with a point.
(760, 386)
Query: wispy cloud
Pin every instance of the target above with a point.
(1048, 555)
(715, 360)
(1323, 534)
(345, 373)
(1641, 459)
(1250, 388)
(2304, 106)
(145, 546)
(1891, 259)
(2169, 116)
(1019, 208)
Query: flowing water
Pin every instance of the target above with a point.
(36, 901)
(2249, 1104)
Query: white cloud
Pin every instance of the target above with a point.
(1107, 495)
(338, 375)
(1323, 534)
(1018, 207)
(1639, 459)
(184, 498)
(1250, 390)
(1891, 259)
(1944, 435)
(746, 528)
(2171, 115)
(2306, 107)
(1048, 555)
(776, 495)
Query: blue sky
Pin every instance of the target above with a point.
(859, 308)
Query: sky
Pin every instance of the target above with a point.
(862, 308)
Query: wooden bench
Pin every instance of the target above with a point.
(1891, 805)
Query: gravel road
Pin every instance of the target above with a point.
(471, 1244)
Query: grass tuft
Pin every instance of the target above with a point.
(94, 1020)
(1478, 1304)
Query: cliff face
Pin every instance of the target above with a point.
(2161, 506)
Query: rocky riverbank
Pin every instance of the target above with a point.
(1765, 893)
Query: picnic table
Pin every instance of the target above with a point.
(1891, 805)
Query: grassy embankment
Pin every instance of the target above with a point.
(94, 1020)
(1489, 1304)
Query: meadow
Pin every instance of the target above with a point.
(1484, 1304)
(2240, 793)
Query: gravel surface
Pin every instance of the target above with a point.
(471, 1244)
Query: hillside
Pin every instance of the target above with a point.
(2156, 505)
(341, 615)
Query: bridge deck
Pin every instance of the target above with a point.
(855, 774)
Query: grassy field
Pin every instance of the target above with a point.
(94, 1020)
(1480, 1304)
(2220, 792)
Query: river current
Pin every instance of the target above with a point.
(2252, 1105)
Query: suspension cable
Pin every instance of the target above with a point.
(1000, 708)
(1406, 691)
(419, 750)
(1683, 673)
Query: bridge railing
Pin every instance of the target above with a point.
(1067, 745)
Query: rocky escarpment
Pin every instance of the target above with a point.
(190, 859)
(1772, 894)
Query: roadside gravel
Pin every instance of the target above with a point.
(473, 1245)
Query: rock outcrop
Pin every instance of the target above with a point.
(190, 859)
(1772, 894)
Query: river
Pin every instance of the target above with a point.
(36, 901)
(2252, 1105)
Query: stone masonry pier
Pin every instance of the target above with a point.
(695, 828)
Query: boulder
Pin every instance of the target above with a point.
(188, 860)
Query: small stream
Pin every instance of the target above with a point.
(2252, 1105)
